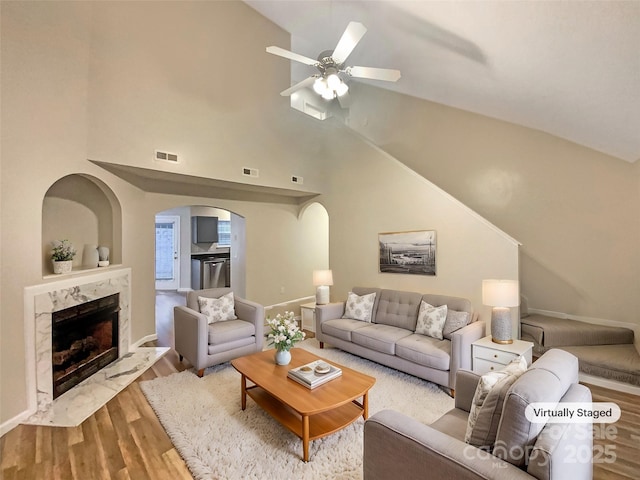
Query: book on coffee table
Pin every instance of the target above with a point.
(315, 373)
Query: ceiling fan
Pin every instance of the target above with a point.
(329, 82)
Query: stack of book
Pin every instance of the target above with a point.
(315, 373)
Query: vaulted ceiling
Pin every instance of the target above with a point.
(571, 69)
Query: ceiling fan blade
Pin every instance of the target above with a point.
(386, 74)
(298, 86)
(291, 56)
(350, 38)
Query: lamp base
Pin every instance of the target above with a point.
(501, 325)
(322, 295)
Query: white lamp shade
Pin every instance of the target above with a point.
(500, 293)
(322, 277)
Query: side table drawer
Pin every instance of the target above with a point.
(481, 366)
(491, 355)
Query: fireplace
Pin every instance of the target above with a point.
(84, 340)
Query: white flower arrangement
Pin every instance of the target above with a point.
(285, 332)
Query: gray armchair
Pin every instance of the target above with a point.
(206, 345)
(396, 446)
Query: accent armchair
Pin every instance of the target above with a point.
(396, 446)
(206, 344)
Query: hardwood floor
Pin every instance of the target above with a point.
(125, 441)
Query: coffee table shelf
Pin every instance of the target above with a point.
(320, 424)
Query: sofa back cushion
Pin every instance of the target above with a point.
(398, 309)
(547, 380)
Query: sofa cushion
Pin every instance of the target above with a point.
(486, 406)
(455, 321)
(398, 309)
(547, 380)
(381, 338)
(431, 320)
(217, 309)
(427, 351)
(359, 307)
(342, 327)
(230, 330)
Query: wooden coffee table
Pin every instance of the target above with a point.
(309, 414)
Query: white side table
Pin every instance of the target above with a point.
(308, 314)
(488, 355)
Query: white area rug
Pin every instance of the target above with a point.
(219, 441)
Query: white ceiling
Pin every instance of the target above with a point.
(569, 68)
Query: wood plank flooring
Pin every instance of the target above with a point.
(125, 441)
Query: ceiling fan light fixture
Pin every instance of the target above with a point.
(342, 89)
(320, 86)
(333, 81)
(328, 94)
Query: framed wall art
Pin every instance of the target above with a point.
(412, 253)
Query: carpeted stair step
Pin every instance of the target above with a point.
(614, 362)
(550, 332)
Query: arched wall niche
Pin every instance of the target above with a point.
(84, 210)
(315, 220)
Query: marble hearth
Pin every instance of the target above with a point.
(74, 406)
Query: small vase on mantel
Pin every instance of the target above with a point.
(283, 357)
(90, 256)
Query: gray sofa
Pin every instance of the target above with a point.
(396, 446)
(389, 338)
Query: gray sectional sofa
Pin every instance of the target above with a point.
(389, 336)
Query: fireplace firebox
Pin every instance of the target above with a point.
(84, 340)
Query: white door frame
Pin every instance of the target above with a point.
(174, 283)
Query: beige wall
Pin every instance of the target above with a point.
(59, 84)
(370, 193)
(575, 211)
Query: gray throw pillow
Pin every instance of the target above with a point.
(455, 321)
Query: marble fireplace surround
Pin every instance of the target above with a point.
(40, 301)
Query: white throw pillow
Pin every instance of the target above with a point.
(431, 320)
(359, 307)
(218, 309)
(486, 406)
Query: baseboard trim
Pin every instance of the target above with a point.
(289, 302)
(149, 338)
(610, 384)
(185, 290)
(12, 423)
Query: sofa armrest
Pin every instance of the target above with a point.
(330, 311)
(251, 312)
(190, 332)
(461, 341)
(466, 384)
(397, 446)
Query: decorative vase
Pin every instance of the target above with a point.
(103, 253)
(90, 256)
(283, 357)
(63, 266)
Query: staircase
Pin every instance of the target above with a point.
(602, 351)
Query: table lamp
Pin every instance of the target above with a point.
(322, 279)
(501, 295)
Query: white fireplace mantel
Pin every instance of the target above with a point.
(40, 301)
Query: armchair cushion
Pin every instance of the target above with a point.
(230, 330)
(217, 309)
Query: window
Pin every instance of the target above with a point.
(224, 232)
